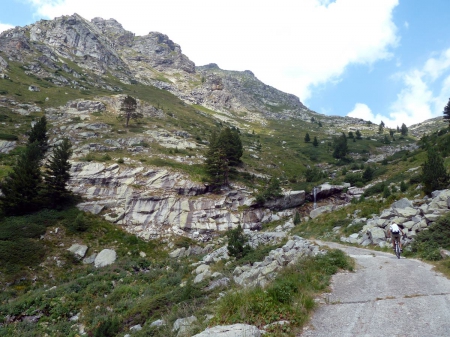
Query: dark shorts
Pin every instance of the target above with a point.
(395, 236)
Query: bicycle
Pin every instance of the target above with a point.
(397, 247)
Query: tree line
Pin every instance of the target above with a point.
(32, 184)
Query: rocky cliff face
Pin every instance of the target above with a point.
(72, 51)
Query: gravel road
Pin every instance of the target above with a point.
(385, 296)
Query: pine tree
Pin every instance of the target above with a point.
(128, 108)
(381, 128)
(237, 243)
(404, 130)
(340, 146)
(57, 173)
(38, 133)
(315, 142)
(307, 138)
(21, 188)
(447, 112)
(217, 167)
(231, 143)
(368, 174)
(358, 134)
(434, 174)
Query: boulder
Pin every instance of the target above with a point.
(402, 203)
(78, 250)
(287, 200)
(320, 210)
(376, 235)
(183, 325)
(235, 330)
(105, 258)
(406, 212)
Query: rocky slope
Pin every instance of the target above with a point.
(71, 51)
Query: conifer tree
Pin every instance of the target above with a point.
(315, 142)
(57, 173)
(358, 134)
(22, 185)
(38, 133)
(381, 128)
(307, 138)
(404, 130)
(128, 108)
(434, 174)
(447, 113)
(230, 142)
(340, 146)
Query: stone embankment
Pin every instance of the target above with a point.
(414, 216)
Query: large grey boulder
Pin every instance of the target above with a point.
(376, 235)
(326, 190)
(287, 200)
(105, 258)
(320, 210)
(78, 250)
(235, 330)
(402, 203)
(184, 325)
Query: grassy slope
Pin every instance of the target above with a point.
(140, 289)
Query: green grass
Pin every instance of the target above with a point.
(289, 297)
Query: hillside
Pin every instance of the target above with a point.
(145, 194)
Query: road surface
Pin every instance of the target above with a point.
(385, 296)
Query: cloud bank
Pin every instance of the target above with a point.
(425, 92)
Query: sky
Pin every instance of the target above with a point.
(380, 60)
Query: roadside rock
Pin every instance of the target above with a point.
(105, 258)
(235, 330)
(78, 250)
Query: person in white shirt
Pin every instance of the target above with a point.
(394, 232)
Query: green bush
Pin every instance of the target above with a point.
(6, 136)
(297, 219)
(237, 243)
(428, 243)
(375, 189)
(80, 224)
(353, 178)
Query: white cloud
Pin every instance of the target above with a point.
(362, 111)
(4, 26)
(417, 101)
(292, 45)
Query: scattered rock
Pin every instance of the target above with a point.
(105, 258)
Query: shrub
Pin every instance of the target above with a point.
(297, 219)
(386, 192)
(237, 243)
(403, 186)
(375, 189)
(353, 178)
(428, 243)
(314, 174)
(80, 224)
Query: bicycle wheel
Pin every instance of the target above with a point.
(397, 249)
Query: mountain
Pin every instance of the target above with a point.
(144, 252)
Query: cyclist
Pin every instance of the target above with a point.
(394, 232)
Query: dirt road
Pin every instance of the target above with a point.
(385, 296)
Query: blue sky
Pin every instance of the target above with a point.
(375, 59)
